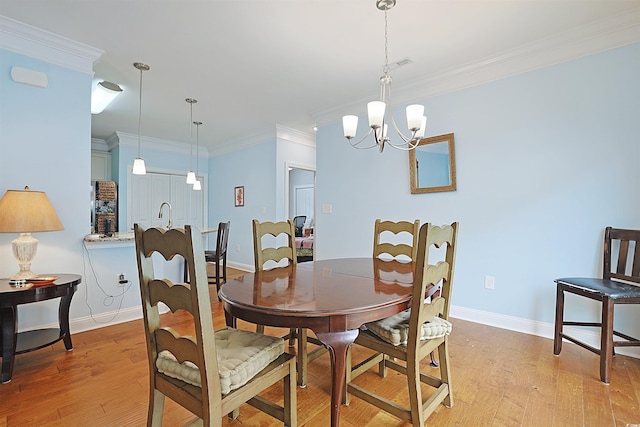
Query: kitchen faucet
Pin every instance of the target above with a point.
(160, 213)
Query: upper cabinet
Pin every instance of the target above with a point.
(100, 165)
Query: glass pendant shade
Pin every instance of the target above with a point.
(350, 125)
(197, 186)
(191, 177)
(139, 167)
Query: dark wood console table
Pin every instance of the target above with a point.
(11, 296)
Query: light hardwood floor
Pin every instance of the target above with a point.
(500, 378)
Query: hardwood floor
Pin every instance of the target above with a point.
(500, 378)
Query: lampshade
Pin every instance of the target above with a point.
(26, 212)
(102, 95)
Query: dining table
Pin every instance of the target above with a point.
(332, 297)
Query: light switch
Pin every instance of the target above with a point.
(327, 209)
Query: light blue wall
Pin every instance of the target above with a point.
(253, 168)
(545, 161)
(262, 170)
(45, 142)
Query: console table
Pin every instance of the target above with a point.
(11, 296)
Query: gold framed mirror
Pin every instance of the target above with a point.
(432, 165)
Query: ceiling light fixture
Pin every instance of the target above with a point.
(191, 177)
(102, 95)
(416, 121)
(138, 164)
(197, 185)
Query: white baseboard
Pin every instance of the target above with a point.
(533, 327)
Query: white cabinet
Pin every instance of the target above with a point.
(149, 191)
(100, 165)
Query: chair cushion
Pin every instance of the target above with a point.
(210, 256)
(241, 355)
(395, 329)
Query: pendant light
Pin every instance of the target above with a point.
(196, 185)
(191, 177)
(138, 164)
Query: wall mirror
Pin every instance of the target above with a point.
(432, 165)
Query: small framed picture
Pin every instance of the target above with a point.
(239, 196)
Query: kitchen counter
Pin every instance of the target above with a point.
(125, 237)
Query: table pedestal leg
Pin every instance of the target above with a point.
(9, 322)
(338, 343)
(63, 319)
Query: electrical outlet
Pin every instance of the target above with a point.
(489, 282)
(238, 247)
(122, 281)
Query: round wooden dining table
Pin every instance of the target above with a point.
(331, 297)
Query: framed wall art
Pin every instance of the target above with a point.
(239, 196)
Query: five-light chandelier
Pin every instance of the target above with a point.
(377, 110)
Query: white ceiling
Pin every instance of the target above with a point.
(254, 64)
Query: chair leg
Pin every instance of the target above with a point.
(445, 376)
(156, 407)
(345, 392)
(302, 357)
(415, 393)
(606, 340)
(290, 398)
(557, 336)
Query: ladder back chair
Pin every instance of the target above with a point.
(412, 335)
(263, 255)
(400, 249)
(620, 284)
(395, 250)
(210, 374)
(218, 259)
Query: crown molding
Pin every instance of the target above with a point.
(265, 135)
(294, 135)
(124, 139)
(43, 45)
(607, 34)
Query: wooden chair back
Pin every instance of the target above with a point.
(395, 250)
(275, 253)
(433, 280)
(621, 255)
(199, 349)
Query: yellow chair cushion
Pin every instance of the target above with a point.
(241, 355)
(395, 329)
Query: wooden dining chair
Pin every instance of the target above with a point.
(382, 228)
(402, 341)
(275, 254)
(615, 287)
(398, 250)
(217, 259)
(210, 374)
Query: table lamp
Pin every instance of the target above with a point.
(26, 212)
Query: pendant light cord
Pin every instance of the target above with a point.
(139, 112)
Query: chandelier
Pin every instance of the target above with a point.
(379, 110)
